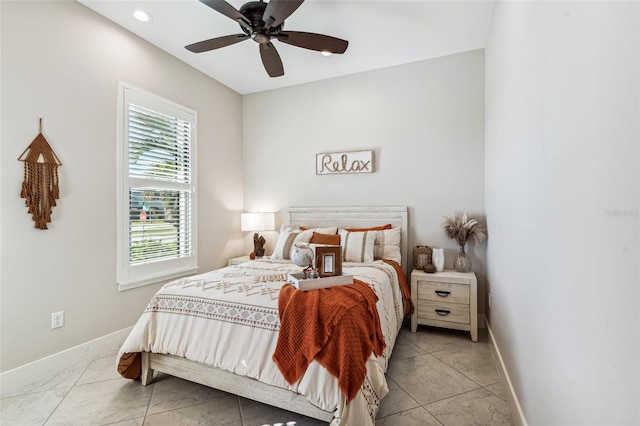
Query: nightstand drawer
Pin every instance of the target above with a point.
(443, 292)
(450, 312)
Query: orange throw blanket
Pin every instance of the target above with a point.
(406, 291)
(339, 327)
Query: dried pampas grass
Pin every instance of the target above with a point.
(460, 227)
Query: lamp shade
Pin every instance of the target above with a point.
(257, 222)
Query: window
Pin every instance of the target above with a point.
(156, 189)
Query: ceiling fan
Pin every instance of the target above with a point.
(263, 22)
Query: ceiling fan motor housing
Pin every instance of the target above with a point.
(254, 12)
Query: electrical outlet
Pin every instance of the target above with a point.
(57, 319)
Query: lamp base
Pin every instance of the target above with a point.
(258, 245)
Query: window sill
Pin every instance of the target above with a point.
(140, 282)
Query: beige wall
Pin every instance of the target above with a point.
(562, 199)
(62, 62)
(424, 120)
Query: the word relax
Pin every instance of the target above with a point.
(344, 164)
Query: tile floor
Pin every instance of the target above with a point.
(436, 377)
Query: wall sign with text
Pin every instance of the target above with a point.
(331, 163)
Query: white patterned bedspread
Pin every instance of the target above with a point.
(228, 318)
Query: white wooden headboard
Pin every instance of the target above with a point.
(355, 217)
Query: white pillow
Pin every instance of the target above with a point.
(287, 239)
(331, 230)
(387, 245)
(357, 246)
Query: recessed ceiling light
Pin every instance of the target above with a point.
(141, 15)
(325, 53)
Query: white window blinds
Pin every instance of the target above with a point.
(159, 146)
(157, 189)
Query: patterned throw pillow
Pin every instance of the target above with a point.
(287, 239)
(387, 244)
(357, 246)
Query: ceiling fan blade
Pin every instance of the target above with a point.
(279, 10)
(226, 9)
(313, 41)
(216, 43)
(271, 60)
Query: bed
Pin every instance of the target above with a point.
(221, 328)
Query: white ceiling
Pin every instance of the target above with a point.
(381, 33)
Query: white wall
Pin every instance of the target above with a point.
(425, 122)
(562, 192)
(62, 62)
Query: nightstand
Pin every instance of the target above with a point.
(446, 299)
(238, 260)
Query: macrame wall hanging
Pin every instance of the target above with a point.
(40, 185)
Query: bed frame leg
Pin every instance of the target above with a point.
(146, 375)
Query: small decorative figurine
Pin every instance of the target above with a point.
(258, 245)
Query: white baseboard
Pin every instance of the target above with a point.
(512, 399)
(13, 381)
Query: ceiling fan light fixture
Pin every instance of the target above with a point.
(141, 15)
(325, 53)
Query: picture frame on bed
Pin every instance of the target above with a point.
(329, 261)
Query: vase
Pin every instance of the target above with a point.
(438, 259)
(462, 262)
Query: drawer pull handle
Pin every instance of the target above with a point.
(442, 293)
(442, 312)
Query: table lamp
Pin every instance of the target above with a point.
(257, 222)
